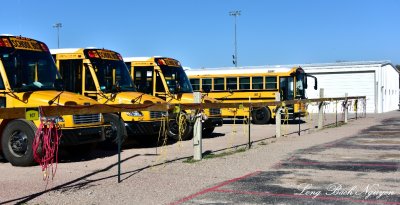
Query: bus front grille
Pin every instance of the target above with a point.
(89, 118)
(157, 114)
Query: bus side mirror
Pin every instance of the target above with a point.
(316, 84)
(59, 84)
(177, 88)
(315, 81)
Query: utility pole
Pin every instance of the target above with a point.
(235, 56)
(58, 26)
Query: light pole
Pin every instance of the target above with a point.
(58, 26)
(235, 56)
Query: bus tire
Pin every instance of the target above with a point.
(173, 129)
(17, 142)
(115, 132)
(261, 115)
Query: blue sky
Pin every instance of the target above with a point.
(200, 33)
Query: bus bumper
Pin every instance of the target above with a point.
(143, 128)
(82, 136)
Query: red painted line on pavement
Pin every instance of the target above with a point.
(330, 198)
(346, 164)
(213, 188)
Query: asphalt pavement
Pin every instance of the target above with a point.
(360, 169)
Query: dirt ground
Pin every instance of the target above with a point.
(160, 175)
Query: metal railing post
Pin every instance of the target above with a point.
(321, 110)
(278, 117)
(346, 110)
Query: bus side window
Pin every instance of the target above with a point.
(270, 83)
(257, 83)
(244, 83)
(206, 84)
(195, 84)
(231, 83)
(89, 82)
(219, 84)
(2, 87)
(159, 84)
(2, 99)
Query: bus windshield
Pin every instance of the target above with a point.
(113, 75)
(300, 82)
(29, 70)
(176, 77)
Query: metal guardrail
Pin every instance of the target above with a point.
(47, 111)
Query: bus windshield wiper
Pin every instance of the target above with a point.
(138, 98)
(12, 94)
(57, 97)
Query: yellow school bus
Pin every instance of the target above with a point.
(165, 78)
(29, 78)
(101, 74)
(259, 84)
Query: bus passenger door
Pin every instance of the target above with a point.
(286, 88)
(143, 79)
(71, 72)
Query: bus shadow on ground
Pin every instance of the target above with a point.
(101, 151)
(271, 122)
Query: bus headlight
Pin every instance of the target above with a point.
(134, 114)
(57, 119)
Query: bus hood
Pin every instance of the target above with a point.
(52, 97)
(136, 98)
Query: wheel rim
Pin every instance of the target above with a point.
(173, 127)
(260, 114)
(18, 144)
(111, 132)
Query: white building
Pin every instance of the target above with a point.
(377, 80)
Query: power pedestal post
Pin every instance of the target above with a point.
(197, 130)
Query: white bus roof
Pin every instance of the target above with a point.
(63, 50)
(130, 59)
(239, 70)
